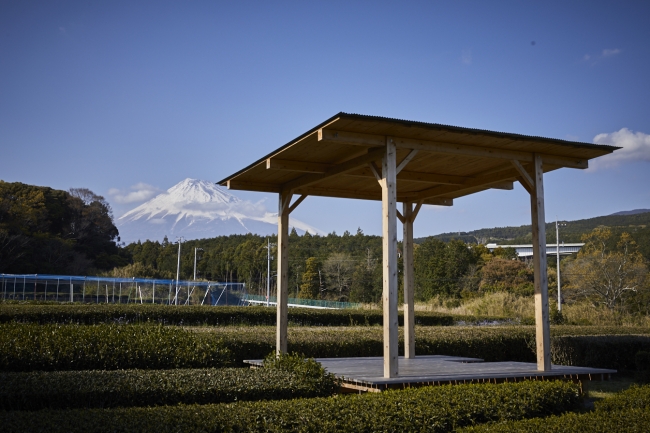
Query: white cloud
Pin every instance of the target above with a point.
(596, 58)
(466, 57)
(635, 147)
(610, 52)
(139, 192)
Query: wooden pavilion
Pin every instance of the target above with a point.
(375, 158)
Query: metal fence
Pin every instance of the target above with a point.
(67, 288)
(298, 302)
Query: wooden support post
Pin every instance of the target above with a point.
(542, 326)
(389, 234)
(409, 284)
(283, 272)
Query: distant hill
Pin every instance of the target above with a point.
(631, 212)
(635, 222)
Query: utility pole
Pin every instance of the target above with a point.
(178, 266)
(195, 250)
(268, 270)
(557, 251)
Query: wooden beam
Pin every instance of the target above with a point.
(297, 202)
(530, 184)
(300, 166)
(524, 184)
(406, 160)
(309, 179)
(252, 186)
(444, 179)
(282, 273)
(375, 170)
(479, 182)
(339, 193)
(438, 201)
(371, 140)
(542, 326)
(414, 215)
(400, 217)
(313, 167)
(505, 185)
(409, 280)
(389, 240)
(351, 138)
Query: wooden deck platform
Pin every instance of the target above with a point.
(366, 373)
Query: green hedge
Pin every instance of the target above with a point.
(636, 397)
(599, 351)
(90, 314)
(512, 343)
(627, 411)
(202, 315)
(628, 421)
(435, 409)
(124, 388)
(29, 347)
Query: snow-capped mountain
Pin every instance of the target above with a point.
(198, 209)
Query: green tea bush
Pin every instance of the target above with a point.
(511, 343)
(628, 421)
(29, 347)
(599, 351)
(636, 397)
(310, 371)
(435, 409)
(124, 388)
(626, 411)
(204, 315)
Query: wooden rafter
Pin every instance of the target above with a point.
(309, 179)
(373, 140)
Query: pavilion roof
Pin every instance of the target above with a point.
(339, 158)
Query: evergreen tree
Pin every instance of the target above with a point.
(310, 288)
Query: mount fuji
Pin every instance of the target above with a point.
(197, 209)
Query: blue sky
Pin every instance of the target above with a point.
(129, 98)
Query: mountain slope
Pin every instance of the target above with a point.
(572, 232)
(198, 209)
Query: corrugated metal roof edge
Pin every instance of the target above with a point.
(422, 124)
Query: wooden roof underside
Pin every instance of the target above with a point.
(338, 158)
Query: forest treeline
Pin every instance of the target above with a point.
(44, 230)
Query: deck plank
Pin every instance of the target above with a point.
(367, 372)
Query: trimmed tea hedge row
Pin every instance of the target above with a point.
(628, 421)
(516, 343)
(29, 347)
(436, 409)
(207, 315)
(602, 351)
(636, 397)
(124, 388)
(627, 411)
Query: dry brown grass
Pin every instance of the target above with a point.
(503, 304)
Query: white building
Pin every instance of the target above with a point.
(526, 251)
